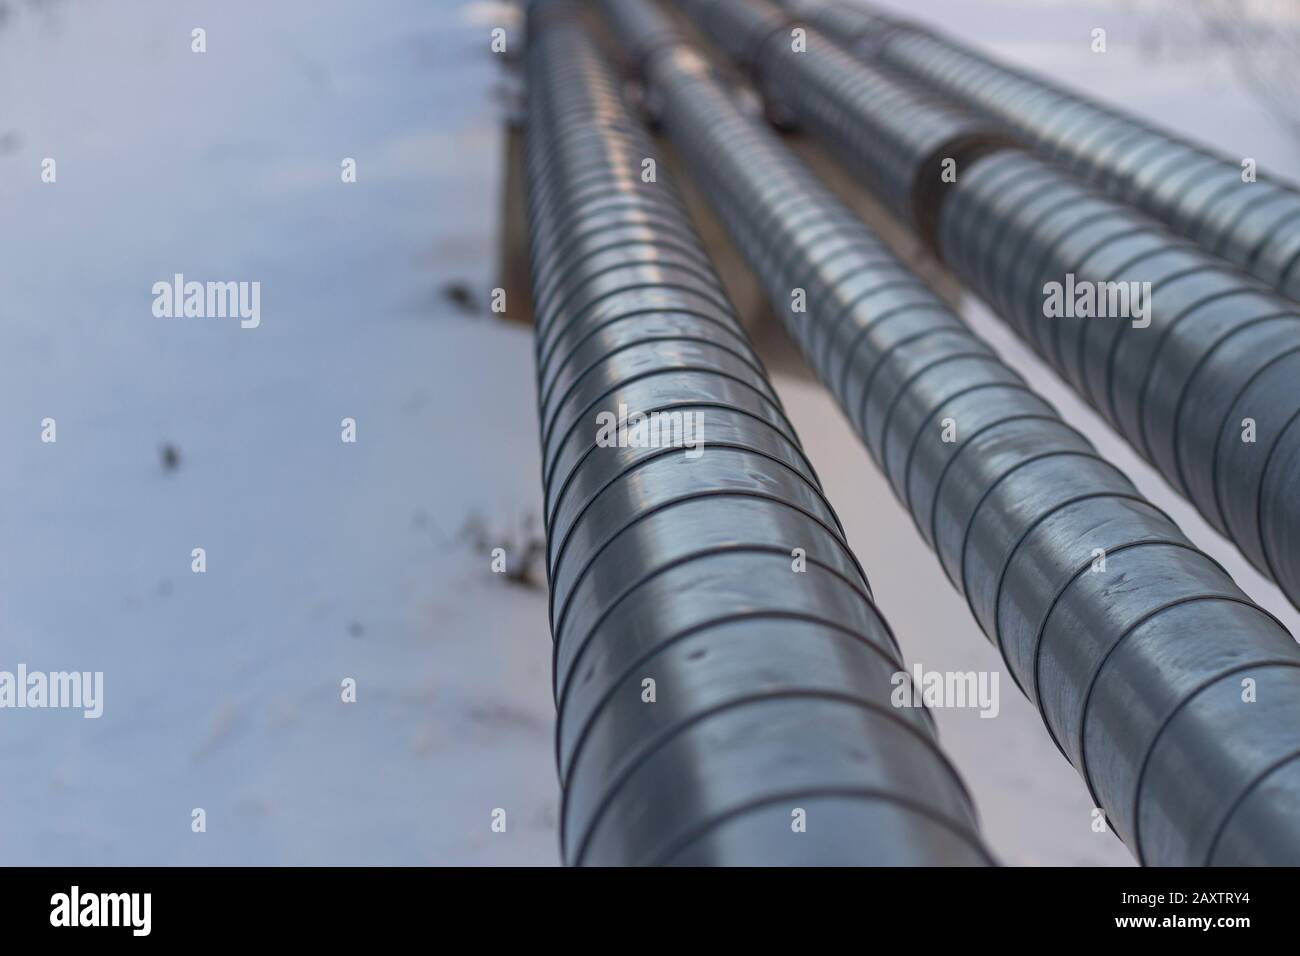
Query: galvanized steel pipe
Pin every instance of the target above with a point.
(1150, 667)
(897, 136)
(1195, 191)
(712, 686)
(1206, 392)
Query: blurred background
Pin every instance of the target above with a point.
(371, 560)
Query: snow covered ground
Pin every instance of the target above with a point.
(328, 560)
(325, 560)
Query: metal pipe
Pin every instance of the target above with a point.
(1197, 192)
(1204, 388)
(722, 674)
(1138, 649)
(895, 145)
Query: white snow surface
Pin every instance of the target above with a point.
(325, 560)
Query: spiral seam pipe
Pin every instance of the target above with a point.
(771, 686)
(1136, 663)
(1220, 356)
(1197, 192)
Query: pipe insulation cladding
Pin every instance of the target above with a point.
(1253, 221)
(1175, 697)
(1198, 373)
(722, 675)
